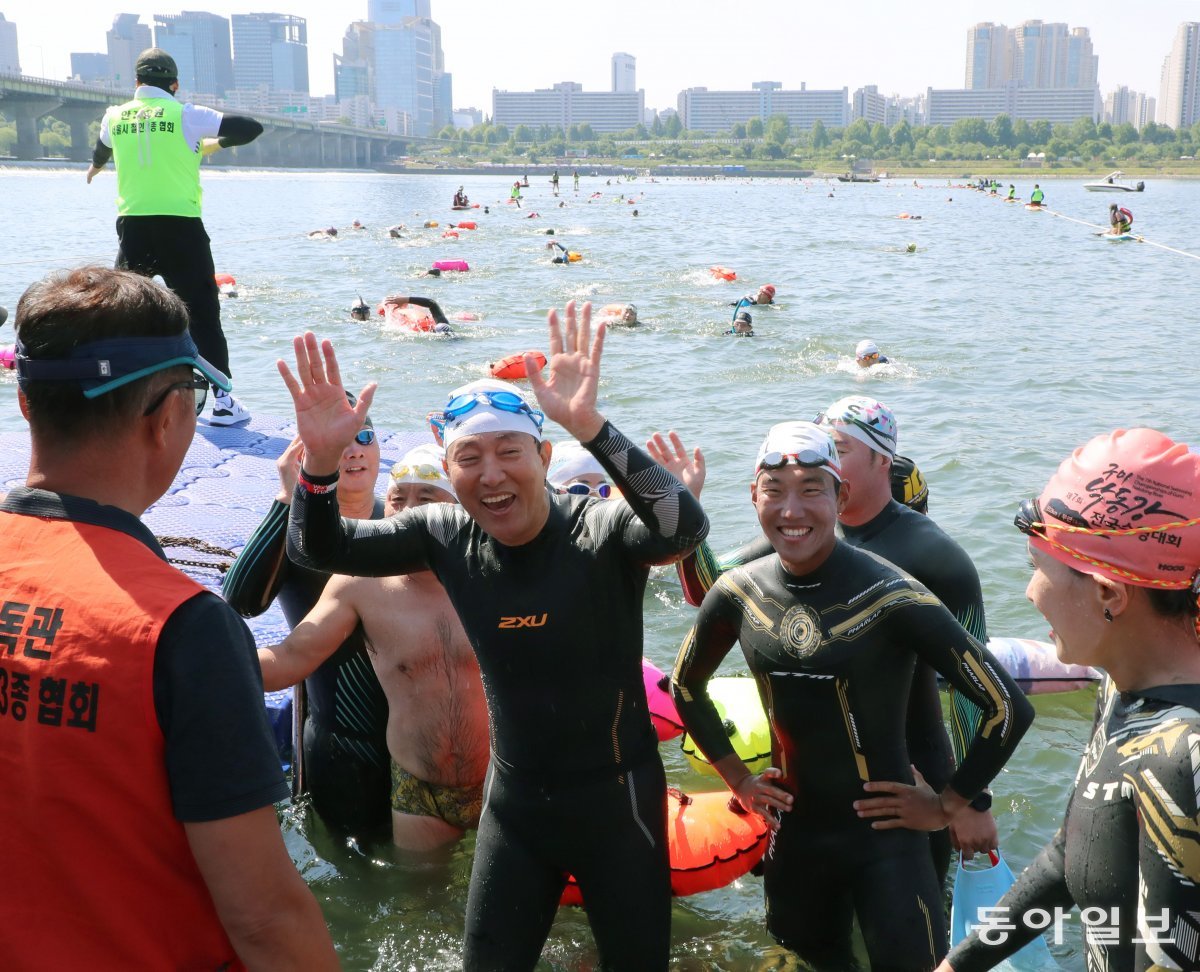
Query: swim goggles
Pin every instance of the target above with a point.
(503, 401)
(365, 437)
(420, 470)
(604, 490)
(807, 458)
(199, 385)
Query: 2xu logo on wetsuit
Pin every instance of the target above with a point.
(529, 621)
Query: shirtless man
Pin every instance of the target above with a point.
(437, 717)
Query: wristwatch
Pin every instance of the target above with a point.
(982, 802)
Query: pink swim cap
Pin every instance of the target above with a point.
(1126, 506)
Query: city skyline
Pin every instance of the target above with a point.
(903, 49)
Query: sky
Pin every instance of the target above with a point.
(903, 46)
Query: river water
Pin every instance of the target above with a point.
(1014, 337)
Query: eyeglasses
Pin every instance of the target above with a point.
(503, 400)
(199, 385)
(365, 436)
(604, 490)
(808, 458)
(421, 470)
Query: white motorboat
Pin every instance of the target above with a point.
(1110, 184)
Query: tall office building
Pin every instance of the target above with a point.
(1179, 97)
(1034, 54)
(10, 61)
(624, 73)
(90, 68)
(399, 60)
(270, 51)
(199, 43)
(126, 40)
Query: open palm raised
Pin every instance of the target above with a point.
(567, 393)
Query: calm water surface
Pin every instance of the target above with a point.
(1015, 337)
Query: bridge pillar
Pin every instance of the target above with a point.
(78, 117)
(25, 112)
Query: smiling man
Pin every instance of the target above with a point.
(832, 634)
(549, 589)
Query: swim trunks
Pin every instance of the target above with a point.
(459, 806)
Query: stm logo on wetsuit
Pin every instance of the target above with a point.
(530, 621)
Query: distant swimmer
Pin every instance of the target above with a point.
(1120, 218)
(743, 325)
(635, 212)
(1037, 197)
(619, 315)
(566, 256)
(357, 225)
(395, 231)
(867, 354)
(329, 233)
(764, 295)
(360, 311)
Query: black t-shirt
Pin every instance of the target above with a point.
(220, 756)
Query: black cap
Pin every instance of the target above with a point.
(155, 64)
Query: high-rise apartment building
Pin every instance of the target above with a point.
(10, 60)
(1179, 97)
(718, 111)
(1034, 54)
(199, 43)
(624, 73)
(868, 103)
(126, 40)
(566, 104)
(270, 52)
(1058, 105)
(398, 60)
(1134, 107)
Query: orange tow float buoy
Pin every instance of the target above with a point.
(710, 843)
(513, 366)
(225, 279)
(723, 273)
(468, 225)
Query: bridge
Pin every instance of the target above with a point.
(287, 140)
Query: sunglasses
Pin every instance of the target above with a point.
(604, 490)
(422, 470)
(503, 400)
(808, 458)
(365, 437)
(197, 383)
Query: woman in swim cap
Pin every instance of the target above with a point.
(1114, 540)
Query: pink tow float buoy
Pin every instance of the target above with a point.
(459, 266)
(663, 713)
(8, 356)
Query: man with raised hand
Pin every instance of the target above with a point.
(549, 589)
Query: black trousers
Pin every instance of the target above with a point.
(176, 248)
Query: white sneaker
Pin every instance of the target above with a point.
(227, 410)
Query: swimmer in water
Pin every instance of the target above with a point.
(395, 231)
(867, 354)
(357, 225)
(360, 311)
(743, 325)
(329, 233)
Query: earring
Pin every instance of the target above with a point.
(1107, 615)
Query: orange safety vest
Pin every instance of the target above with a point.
(97, 872)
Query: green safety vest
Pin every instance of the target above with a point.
(158, 173)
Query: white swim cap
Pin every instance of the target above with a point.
(424, 465)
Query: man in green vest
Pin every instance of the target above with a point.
(157, 143)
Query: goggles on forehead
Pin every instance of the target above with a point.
(807, 458)
(421, 470)
(604, 490)
(503, 401)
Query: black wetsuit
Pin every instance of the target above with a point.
(1128, 845)
(833, 654)
(347, 769)
(918, 546)
(575, 783)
